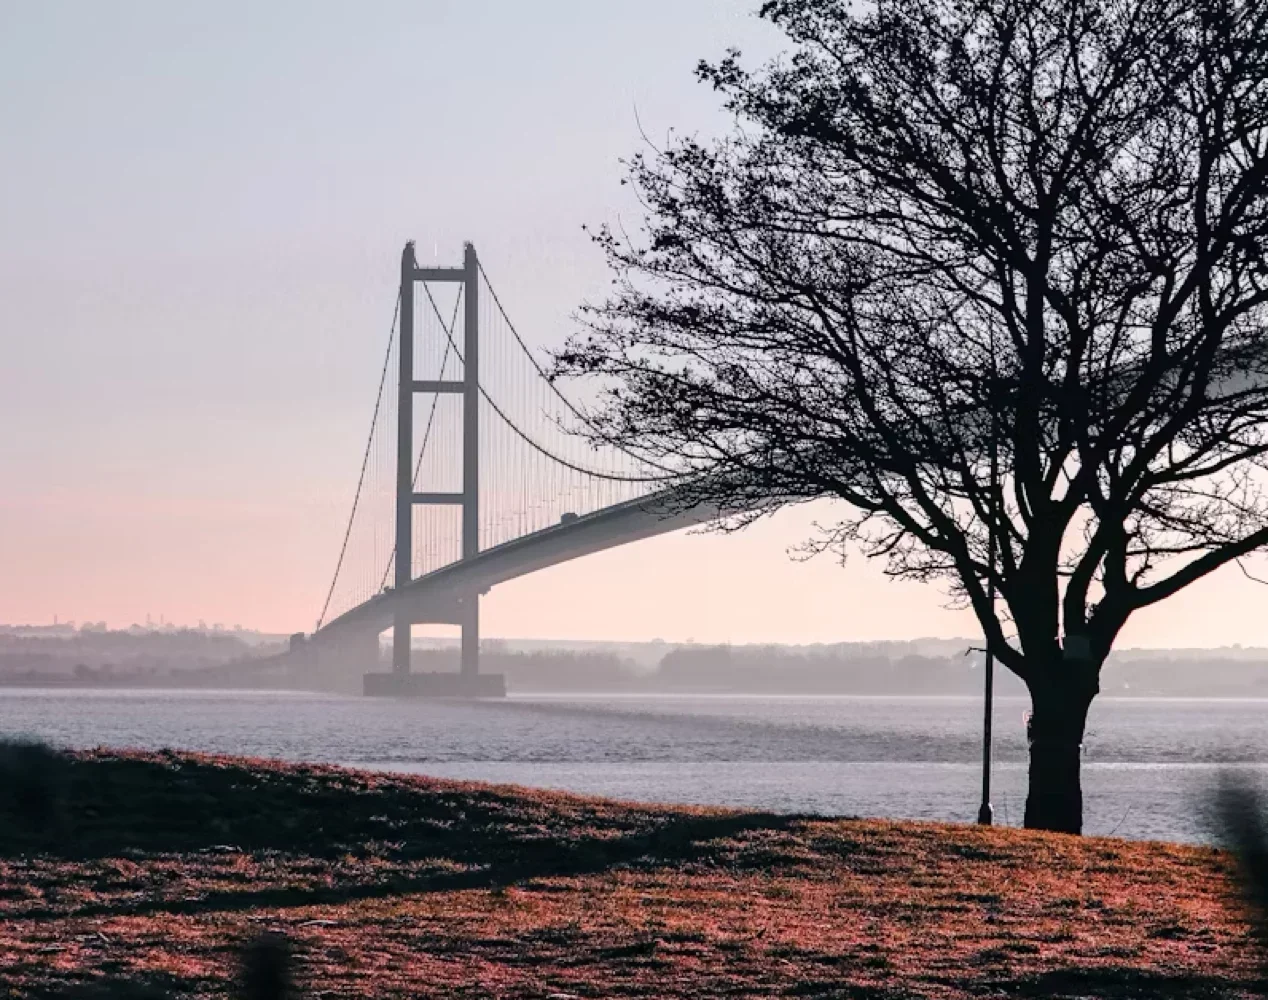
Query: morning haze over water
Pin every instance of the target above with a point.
(1149, 764)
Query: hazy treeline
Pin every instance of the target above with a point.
(101, 655)
(855, 668)
(849, 668)
(823, 670)
(557, 670)
(196, 658)
(1193, 675)
(774, 669)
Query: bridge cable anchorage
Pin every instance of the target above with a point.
(572, 407)
(431, 416)
(528, 440)
(365, 459)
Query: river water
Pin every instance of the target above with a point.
(1150, 765)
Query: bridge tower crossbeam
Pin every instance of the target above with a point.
(468, 275)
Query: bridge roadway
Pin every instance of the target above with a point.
(436, 597)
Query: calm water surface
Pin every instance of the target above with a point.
(1149, 763)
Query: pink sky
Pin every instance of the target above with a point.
(254, 564)
(199, 226)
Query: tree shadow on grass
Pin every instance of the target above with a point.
(81, 807)
(679, 841)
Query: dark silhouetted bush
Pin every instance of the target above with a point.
(33, 785)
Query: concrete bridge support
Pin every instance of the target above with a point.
(471, 635)
(336, 662)
(468, 681)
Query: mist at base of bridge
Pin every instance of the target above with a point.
(91, 655)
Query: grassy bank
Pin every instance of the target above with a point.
(158, 867)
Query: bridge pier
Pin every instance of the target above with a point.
(468, 681)
(470, 664)
(401, 638)
(333, 663)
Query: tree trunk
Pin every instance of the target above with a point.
(1054, 799)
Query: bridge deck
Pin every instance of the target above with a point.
(434, 597)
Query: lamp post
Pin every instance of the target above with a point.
(985, 812)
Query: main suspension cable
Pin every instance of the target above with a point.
(523, 435)
(365, 461)
(572, 407)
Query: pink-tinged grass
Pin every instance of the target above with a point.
(161, 866)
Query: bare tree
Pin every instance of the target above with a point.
(940, 224)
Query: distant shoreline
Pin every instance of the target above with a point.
(73, 685)
(189, 659)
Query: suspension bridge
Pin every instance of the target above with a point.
(473, 474)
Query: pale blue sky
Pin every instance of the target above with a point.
(201, 208)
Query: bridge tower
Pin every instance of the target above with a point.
(544, 502)
(468, 275)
